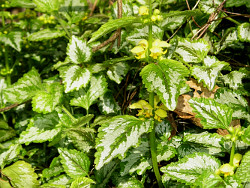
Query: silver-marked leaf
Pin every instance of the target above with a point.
(235, 101)
(59, 181)
(74, 77)
(208, 73)
(243, 171)
(246, 136)
(209, 179)
(47, 5)
(82, 121)
(46, 101)
(7, 156)
(108, 105)
(21, 174)
(116, 136)
(25, 88)
(46, 34)
(165, 79)
(244, 32)
(75, 163)
(42, 128)
(13, 39)
(234, 79)
(192, 51)
(22, 3)
(86, 97)
(118, 71)
(78, 50)
(82, 182)
(213, 115)
(54, 169)
(188, 169)
(130, 183)
(82, 138)
(113, 25)
(73, 10)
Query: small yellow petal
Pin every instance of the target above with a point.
(135, 106)
(161, 113)
(143, 43)
(143, 10)
(137, 49)
(237, 159)
(156, 11)
(153, 18)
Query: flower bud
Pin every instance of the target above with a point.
(156, 12)
(231, 129)
(153, 18)
(143, 10)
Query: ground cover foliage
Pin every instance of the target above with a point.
(126, 93)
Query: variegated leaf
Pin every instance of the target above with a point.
(74, 77)
(244, 32)
(189, 168)
(213, 115)
(234, 79)
(25, 88)
(78, 50)
(46, 34)
(208, 73)
(118, 71)
(166, 79)
(243, 172)
(192, 51)
(116, 136)
(86, 97)
(47, 5)
(82, 182)
(7, 156)
(46, 101)
(13, 39)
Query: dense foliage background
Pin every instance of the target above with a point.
(126, 93)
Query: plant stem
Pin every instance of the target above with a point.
(232, 153)
(68, 113)
(7, 66)
(152, 139)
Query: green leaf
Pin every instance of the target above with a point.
(54, 169)
(25, 88)
(8, 156)
(21, 174)
(4, 184)
(75, 163)
(234, 79)
(235, 101)
(130, 183)
(46, 34)
(13, 39)
(6, 132)
(118, 71)
(116, 136)
(47, 5)
(165, 79)
(244, 32)
(60, 181)
(74, 77)
(243, 171)
(73, 10)
(46, 101)
(82, 138)
(209, 179)
(86, 97)
(107, 104)
(188, 169)
(233, 3)
(103, 175)
(22, 3)
(82, 121)
(82, 182)
(112, 25)
(209, 72)
(246, 136)
(78, 50)
(42, 128)
(213, 115)
(192, 51)
(163, 130)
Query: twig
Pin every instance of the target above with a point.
(192, 16)
(13, 106)
(93, 8)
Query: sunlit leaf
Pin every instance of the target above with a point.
(246, 136)
(166, 79)
(47, 5)
(74, 77)
(22, 3)
(13, 39)
(243, 172)
(130, 183)
(234, 79)
(46, 34)
(82, 182)
(25, 88)
(118, 71)
(209, 179)
(116, 136)
(213, 115)
(54, 169)
(78, 50)
(7, 156)
(189, 168)
(75, 163)
(86, 97)
(21, 174)
(209, 72)
(107, 104)
(244, 32)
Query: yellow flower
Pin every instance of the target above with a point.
(153, 18)
(156, 52)
(237, 159)
(143, 43)
(143, 10)
(139, 51)
(159, 43)
(227, 170)
(159, 17)
(156, 11)
(146, 108)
